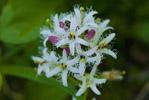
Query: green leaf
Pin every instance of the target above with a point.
(0, 81)
(36, 91)
(29, 73)
(20, 20)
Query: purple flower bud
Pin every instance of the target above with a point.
(62, 25)
(67, 50)
(90, 34)
(53, 39)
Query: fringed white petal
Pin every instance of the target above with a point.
(64, 55)
(37, 59)
(64, 77)
(40, 69)
(105, 23)
(77, 12)
(56, 21)
(73, 24)
(109, 52)
(78, 48)
(95, 90)
(91, 51)
(46, 32)
(53, 72)
(81, 41)
(100, 81)
(82, 68)
(89, 16)
(73, 61)
(61, 42)
(52, 55)
(45, 41)
(72, 48)
(108, 38)
(81, 30)
(93, 71)
(81, 90)
(93, 24)
(74, 70)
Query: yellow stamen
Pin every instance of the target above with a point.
(98, 19)
(72, 33)
(87, 83)
(60, 66)
(35, 68)
(82, 60)
(48, 21)
(82, 8)
(123, 72)
(35, 61)
(105, 42)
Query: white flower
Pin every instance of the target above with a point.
(83, 57)
(72, 37)
(89, 81)
(62, 67)
(102, 46)
(102, 27)
(46, 62)
(82, 18)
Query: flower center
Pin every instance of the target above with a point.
(104, 45)
(63, 66)
(72, 36)
(82, 58)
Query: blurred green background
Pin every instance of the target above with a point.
(20, 22)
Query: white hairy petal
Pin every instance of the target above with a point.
(108, 38)
(95, 90)
(53, 72)
(81, 41)
(108, 52)
(64, 77)
(81, 90)
(61, 42)
(82, 68)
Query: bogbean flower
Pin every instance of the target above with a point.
(46, 62)
(62, 67)
(83, 57)
(79, 36)
(103, 48)
(71, 37)
(89, 81)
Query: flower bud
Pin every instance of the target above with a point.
(67, 50)
(53, 39)
(90, 34)
(62, 25)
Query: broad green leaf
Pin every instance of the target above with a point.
(21, 19)
(29, 73)
(0, 81)
(36, 91)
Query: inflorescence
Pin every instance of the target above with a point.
(81, 42)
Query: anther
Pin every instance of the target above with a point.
(98, 19)
(48, 21)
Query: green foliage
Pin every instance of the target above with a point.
(20, 20)
(36, 91)
(28, 73)
(1, 81)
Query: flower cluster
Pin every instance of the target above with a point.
(81, 43)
